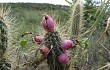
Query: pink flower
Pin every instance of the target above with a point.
(63, 58)
(38, 39)
(66, 44)
(47, 23)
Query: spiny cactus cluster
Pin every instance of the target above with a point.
(7, 38)
(3, 37)
(52, 41)
(53, 47)
(77, 19)
(4, 65)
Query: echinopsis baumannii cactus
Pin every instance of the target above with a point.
(6, 33)
(4, 65)
(52, 41)
(12, 27)
(53, 48)
(3, 38)
(77, 19)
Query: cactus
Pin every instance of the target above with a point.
(4, 64)
(52, 40)
(77, 19)
(3, 46)
(5, 38)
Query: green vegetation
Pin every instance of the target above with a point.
(29, 15)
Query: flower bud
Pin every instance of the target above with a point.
(47, 23)
(37, 39)
(63, 58)
(66, 44)
(44, 50)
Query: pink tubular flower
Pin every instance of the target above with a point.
(63, 58)
(47, 23)
(37, 39)
(66, 44)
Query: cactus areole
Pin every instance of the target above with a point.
(47, 23)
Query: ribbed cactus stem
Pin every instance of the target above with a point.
(77, 19)
(4, 65)
(3, 45)
(8, 39)
(52, 40)
(3, 38)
